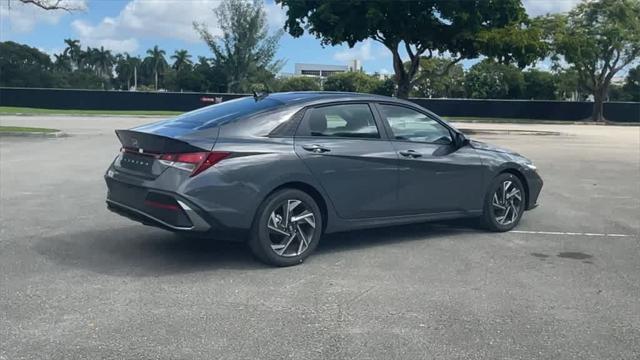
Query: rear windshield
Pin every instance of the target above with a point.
(215, 115)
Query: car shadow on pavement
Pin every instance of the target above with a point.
(140, 251)
(387, 236)
(143, 251)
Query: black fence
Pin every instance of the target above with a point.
(108, 100)
(125, 100)
(530, 109)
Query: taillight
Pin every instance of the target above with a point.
(194, 162)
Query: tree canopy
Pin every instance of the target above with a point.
(300, 83)
(358, 82)
(597, 39)
(491, 80)
(539, 85)
(245, 51)
(465, 29)
(632, 84)
(438, 79)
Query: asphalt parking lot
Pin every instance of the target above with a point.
(78, 282)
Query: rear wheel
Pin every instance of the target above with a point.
(504, 203)
(287, 228)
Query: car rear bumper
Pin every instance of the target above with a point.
(154, 207)
(196, 222)
(154, 203)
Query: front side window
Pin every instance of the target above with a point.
(346, 120)
(410, 125)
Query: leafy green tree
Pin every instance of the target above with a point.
(80, 79)
(98, 62)
(181, 58)
(103, 62)
(464, 29)
(539, 85)
(209, 78)
(62, 63)
(632, 84)
(246, 50)
(156, 62)
(351, 82)
(126, 66)
(300, 83)
(598, 39)
(568, 85)
(438, 79)
(617, 93)
(24, 66)
(87, 59)
(491, 80)
(385, 87)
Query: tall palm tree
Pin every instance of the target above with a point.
(157, 61)
(103, 62)
(125, 68)
(73, 51)
(87, 59)
(62, 62)
(181, 58)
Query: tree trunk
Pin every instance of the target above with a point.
(598, 105)
(402, 80)
(404, 88)
(156, 73)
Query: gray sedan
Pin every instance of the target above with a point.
(279, 170)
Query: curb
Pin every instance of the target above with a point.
(508, 132)
(541, 122)
(34, 134)
(90, 115)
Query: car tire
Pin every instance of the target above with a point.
(504, 203)
(284, 238)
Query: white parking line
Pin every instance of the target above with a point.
(566, 233)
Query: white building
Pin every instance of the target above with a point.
(319, 70)
(355, 65)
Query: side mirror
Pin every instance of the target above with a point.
(459, 140)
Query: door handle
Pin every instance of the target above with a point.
(410, 154)
(315, 148)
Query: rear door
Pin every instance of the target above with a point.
(434, 175)
(349, 155)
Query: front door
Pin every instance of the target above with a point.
(434, 175)
(343, 147)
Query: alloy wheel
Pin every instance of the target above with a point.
(507, 203)
(291, 227)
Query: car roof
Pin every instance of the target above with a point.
(304, 97)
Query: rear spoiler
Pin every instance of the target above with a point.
(153, 143)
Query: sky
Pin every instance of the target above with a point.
(137, 25)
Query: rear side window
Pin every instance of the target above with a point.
(345, 120)
(218, 114)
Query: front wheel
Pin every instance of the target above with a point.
(287, 228)
(504, 203)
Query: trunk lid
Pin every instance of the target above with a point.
(143, 146)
